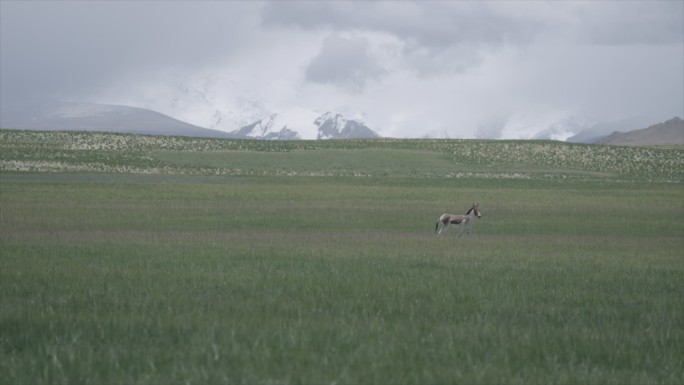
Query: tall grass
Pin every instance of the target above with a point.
(120, 279)
(134, 259)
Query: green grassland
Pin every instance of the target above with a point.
(136, 259)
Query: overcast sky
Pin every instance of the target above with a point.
(451, 68)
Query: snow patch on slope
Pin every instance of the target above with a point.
(550, 125)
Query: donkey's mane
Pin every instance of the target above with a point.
(469, 210)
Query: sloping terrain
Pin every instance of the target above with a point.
(106, 152)
(61, 116)
(668, 133)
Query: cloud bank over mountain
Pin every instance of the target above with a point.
(406, 69)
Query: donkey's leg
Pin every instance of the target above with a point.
(461, 228)
(438, 228)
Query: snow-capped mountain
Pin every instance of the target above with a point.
(552, 125)
(567, 127)
(335, 126)
(328, 126)
(247, 108)
(71, 116)
(564, 128)
(267, 129)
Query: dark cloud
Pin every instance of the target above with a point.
(444, 23)
(435, 33)
(344, 62)
(70, 47)
(636, 23)
(436, 24)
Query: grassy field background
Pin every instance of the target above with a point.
(133, 259)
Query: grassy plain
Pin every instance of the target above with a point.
(171, 260)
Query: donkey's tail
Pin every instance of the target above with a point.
(436, 225)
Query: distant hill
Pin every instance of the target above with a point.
(601, 129)
(67, 116)
(670, 132)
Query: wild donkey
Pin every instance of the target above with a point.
(463, 222)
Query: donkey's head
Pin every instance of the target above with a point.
(476, 208)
